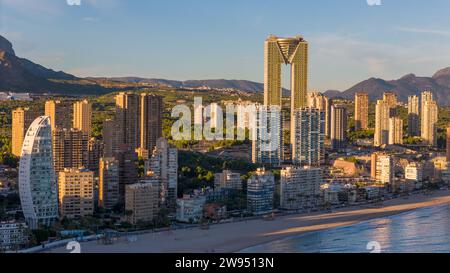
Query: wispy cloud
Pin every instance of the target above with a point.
(424, 31)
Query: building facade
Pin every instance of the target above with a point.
(37, 181)
(82, 117)
(141, 201)
(308, 147)
(260, 192)
(108, 196)
(228, 180)
(361, 111)
(395, 131)
(382, 115)
(76, 193)
(163, 165)
(299, 187)
(338, 127)
(21, 120)
(60, 113)
(152, 107)
(413, 116)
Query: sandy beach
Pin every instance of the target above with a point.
(233, 237)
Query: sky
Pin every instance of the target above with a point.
(349, 40)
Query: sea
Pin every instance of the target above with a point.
(425, 230)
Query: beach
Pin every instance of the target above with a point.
(233, 237)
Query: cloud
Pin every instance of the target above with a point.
(424, 31)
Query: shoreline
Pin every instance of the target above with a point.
(238, 236)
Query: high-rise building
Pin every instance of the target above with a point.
(293, 51)
(110, 146)
(127, 120)
(260, 192)
(383, 168)
(128, 172)
(429, 120)
(448, 143)
(141, 199)
(108, 196)
(338, 127)
(70, 149)
(299, 187)
(82, 117)
(60, 113)
(425, 96)
(227, 180)
(361, 111)
(37, 181)
(95, 151)
(319, 101)
(413, 116)
(308, 147)
(267, 144)
(152, 107)
(382, 114)
(163, 165)
(76, 193)
(21, 120)
(391, 99)
(395, 131)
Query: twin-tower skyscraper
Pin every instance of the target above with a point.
(286, 51)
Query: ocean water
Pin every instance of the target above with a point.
(425, 230)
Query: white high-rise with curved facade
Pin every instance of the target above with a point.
(37, 181)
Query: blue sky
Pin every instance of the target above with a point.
(208, 39)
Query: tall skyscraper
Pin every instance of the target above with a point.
(361, 111)
(395, 131)
(260, 192)
(299, 187)
(267, 144)
(338, 127)
(108, 195)
(392, 101)
(163, 165)
(60, 113)
(127, 120)
(76, 193)
(95, 151)
(152, 107)
(128, 172)
(425, 96)
(323, 103)
(430, 118)
(413, 116)
(382, 114)
(293, 51)
(37, 181)
(109, 134)
(21, 120)
(70, 149)
(82, 117)
(309, 132)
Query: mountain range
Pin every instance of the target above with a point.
(22, 75)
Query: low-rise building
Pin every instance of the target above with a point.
(190, 208)
(13, 236)
(228, 180)
(414, 172)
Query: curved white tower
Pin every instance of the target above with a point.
(37, 181)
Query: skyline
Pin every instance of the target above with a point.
(190, 41)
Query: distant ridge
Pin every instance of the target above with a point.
(407, 85)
